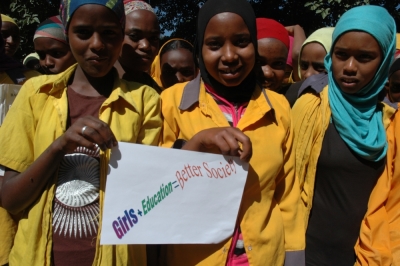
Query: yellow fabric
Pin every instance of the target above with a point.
(39, 116)
(322, 36)
(397, 41)
(269, 216)
(6, 18)
(311, 116)
(379, 241)
(155, 70)
(8, 226)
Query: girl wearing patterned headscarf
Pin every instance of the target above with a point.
(340, 138)
(313, 51)
(56, 139)
(141, 43)
(52, 47)
(224, 110)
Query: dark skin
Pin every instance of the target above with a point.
(229, 140)
(94, 41)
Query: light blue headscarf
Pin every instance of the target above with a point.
(357, 117)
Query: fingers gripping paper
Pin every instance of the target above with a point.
(166, 196)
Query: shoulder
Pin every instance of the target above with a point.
(173, 95)
(138, 91)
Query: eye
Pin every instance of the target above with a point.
(213, 45)
(365, 58)
(83, 33)
(279, 65)
(319, 67)
(58, 54)
(243, 42)
(303, 65)
(154, 38)
(187, 72)
(41, 55)
(340, 54)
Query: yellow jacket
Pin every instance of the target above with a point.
(8, 225)
(379, 241)
(39, 116)
(269, 216)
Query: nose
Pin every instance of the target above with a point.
(229, 54)
(350, 66)
(9, 39)
(144, 44)
(96, 42)
(180, 77)
(309, 72)
(267, 72)
(48, 62)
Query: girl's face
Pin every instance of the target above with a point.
(141, 42)
(228, 53)
(312, 60)
(356, 57)
(177, 66)
(272, 58)
(55, 56)
(95, 37)
(394, 86)
(11, 36)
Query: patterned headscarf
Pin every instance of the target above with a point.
(51, 28)
(132, 5)
(68, 7)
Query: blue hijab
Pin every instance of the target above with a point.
(357, 117)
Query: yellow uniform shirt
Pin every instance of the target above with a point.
(38, 117)
(311, 117)
(8, 225)
(269, 219)
(379, 241)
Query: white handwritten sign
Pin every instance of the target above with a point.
(166, 196)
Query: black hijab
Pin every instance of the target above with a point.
(243, 91)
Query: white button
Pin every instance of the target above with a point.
(249, 248)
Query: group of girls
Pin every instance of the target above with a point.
(322, 181)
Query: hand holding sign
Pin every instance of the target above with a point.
(226, 139)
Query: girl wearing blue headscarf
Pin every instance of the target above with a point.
(55, 144)
(340, 139)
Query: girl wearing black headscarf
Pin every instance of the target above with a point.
(224, 111)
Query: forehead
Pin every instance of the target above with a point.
(6, 25)
(272, 46)
(356, 40)
(313, 51)
(43, 43)
(93, 15)
(143, 20)
(225, 24)
(179, 55)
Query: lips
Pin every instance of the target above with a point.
(349, 81)
(230, 71)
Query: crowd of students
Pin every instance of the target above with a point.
(316, 118)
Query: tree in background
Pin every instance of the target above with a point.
(178, 17)
(28, 14)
